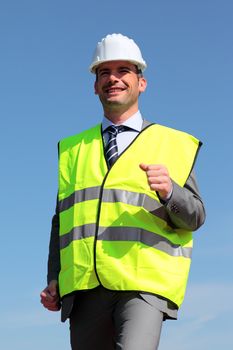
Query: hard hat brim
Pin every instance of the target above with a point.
(95, 65)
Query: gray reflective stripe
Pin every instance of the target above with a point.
(115, 195)
(79, 196)
(136, 199)
(149, 238)
(76, 233)
(126, 234)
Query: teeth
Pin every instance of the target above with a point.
(115, 89)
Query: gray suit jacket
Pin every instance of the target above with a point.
(185, 210)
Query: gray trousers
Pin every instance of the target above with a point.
(108, 320)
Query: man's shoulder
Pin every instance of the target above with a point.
(168, 132)
(83, 135)
(165, 129)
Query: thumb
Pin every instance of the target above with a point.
(143, 166)
(43, 294)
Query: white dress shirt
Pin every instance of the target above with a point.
(124, 138)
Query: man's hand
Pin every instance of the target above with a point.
(49, 297)
(158, 179)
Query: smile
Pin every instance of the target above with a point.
(113, 90)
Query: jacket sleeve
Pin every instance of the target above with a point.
(54, 250)
(185, 208)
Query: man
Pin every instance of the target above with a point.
(121, 238)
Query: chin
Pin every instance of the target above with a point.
(113, 101)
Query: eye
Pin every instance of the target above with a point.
(124, 70)
(103, 73)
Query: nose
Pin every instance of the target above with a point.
(113, 76)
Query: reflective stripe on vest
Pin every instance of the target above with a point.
(113, 228)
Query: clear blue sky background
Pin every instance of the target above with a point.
(46, 93)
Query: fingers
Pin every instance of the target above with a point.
(155, 167)
(46, 296)
(51, 306)
(49, 302)
(49, 297)
(157, 182)
(158, 179)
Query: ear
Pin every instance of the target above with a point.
(96, 88)
(142, 84)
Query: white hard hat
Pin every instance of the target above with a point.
(117, 47)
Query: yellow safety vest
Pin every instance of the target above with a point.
(113, 229)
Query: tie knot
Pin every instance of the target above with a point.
(112, 129)
(116, 129)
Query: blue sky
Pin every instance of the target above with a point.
(46, 93)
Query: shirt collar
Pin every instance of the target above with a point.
(134, 122)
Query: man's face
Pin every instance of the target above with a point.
(118, 85)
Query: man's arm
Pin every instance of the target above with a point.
(50, 295)
(185, 207)
(54, 250)
(183, 204)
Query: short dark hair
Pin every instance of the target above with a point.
(139, 72)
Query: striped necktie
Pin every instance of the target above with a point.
(111, 149)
